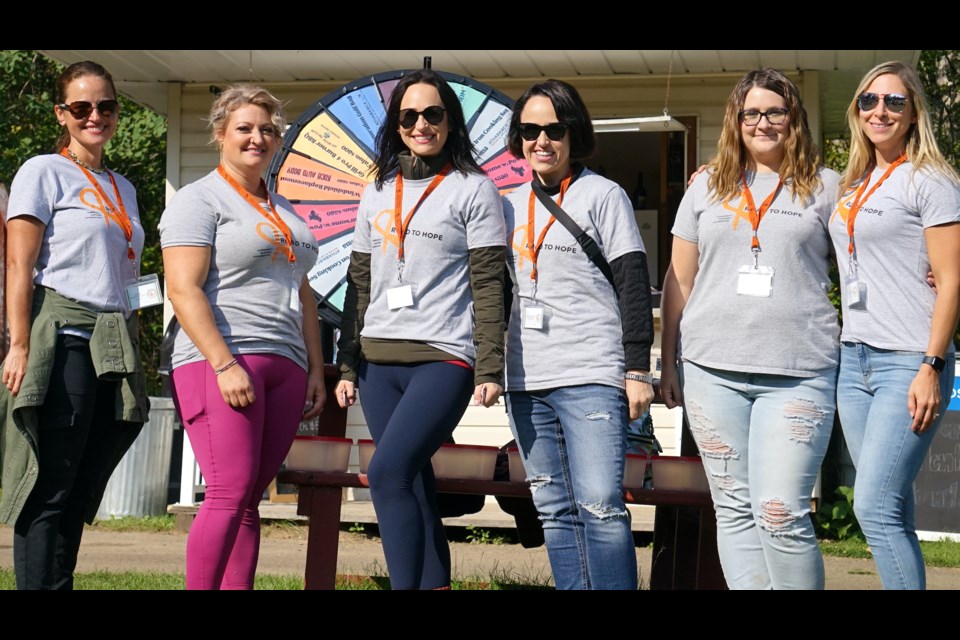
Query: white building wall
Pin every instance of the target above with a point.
(703, 97)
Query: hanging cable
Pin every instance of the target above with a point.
(666, 99)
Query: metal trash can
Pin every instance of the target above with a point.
(139, 484)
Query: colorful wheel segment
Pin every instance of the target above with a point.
(327, 160)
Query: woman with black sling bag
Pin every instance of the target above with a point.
(578, 343)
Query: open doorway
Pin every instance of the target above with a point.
(659, 158)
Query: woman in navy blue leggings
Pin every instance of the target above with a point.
(423, 314)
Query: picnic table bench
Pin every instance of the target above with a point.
(684, 539)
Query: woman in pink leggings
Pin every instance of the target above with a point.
(247, 361)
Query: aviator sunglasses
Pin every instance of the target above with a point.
(433, 116)
(555, 131)
(895, 102)
(82, 109)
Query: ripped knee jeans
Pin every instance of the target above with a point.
(572, 441)
(762, 439)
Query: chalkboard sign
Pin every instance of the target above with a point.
(937, 489)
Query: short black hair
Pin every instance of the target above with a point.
(571, 111)
(389, 144)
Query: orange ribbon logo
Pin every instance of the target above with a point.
(383, 224)
(843, 210)
(521, 246)
(740, 210)
(109, 213)
(275, 237)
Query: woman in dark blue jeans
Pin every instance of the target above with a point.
(423, 314)
(578, 355)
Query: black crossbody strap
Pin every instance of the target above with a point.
(583, 239)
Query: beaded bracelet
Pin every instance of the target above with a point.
(225, 367)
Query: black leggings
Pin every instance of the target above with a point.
(411, 410)
(80, 444)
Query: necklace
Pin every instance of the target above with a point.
(83, 164)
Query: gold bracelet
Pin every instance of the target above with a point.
(225, 367)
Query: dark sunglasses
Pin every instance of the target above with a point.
(82, 109)
(555, 131)
(895, 102)
(433, 116)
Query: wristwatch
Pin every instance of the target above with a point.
(937, 363)
(646, 377)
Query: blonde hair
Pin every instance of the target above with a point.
(921, 142)
(801, 157)
(240, 95)
(4, 198)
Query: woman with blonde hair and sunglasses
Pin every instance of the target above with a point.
(422, 327)
(750, 336)
(73, 397)
(247, 357)
(895, 222)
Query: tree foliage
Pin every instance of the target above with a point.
(137, 151)
(939, 71)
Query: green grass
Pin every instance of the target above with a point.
(849, 548)
(936, 553)
(158, 581)
(148, 524)
(152, 581)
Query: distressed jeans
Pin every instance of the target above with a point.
(572, 441)
(762, 438)
(872, 403)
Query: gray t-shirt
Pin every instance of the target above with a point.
(463, 213)
(251, 286)
(581, 339)
(83, 255)
(892, 256)
(794, 330)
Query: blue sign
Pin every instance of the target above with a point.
(955, 397)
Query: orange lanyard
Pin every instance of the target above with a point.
(272, 216)
(858, 202)
(402, 225)
(534, 250)
(117, 213)
(756, 215)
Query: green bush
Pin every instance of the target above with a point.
(836, 520)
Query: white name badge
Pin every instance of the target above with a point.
(533, 317)
(400, 297)
(855, 292)
(755, 281)
(295, 299)
(145, 292)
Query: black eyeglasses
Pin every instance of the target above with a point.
(895, 102)
(82, 109)
(555, 131)
(433, 115)
(751, 117)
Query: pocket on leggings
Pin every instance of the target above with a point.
(189, 391)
